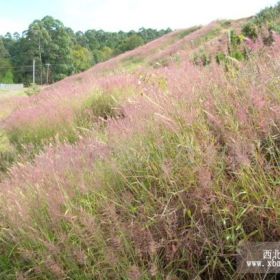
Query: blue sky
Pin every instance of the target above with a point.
(114, 15)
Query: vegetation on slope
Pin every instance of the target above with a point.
(172, 166)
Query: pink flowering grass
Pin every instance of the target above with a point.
(54, 113)
(166, 190)
(187, 148)
(61, 170)
(183, 47)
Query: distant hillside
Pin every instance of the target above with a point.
(59, 51)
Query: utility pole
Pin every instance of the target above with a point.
(48, 68)
(34, 65)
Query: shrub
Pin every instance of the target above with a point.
(102, 105)
(220, 57)
(99, 106)
(250, 30)
(239, 55)
(32, 90)
(235, 39)
(201, 58)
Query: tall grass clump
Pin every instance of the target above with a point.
(46, 119)
(180, 180)
(102, 106)
(7, 153)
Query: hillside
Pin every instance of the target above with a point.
(155, 164)
(58, 51)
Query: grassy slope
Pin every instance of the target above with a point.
(9, 101)
(6, 99)
(145, 166)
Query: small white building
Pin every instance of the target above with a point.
(11, 86)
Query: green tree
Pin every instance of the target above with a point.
(48, 41)
(82, 58)
(6, 75)
(131, 43)
(107, 53)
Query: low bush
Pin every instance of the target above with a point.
(201, 58)
(100, 106)
(32, 90)
(250, 30)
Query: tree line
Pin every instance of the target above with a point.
(59, 51)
